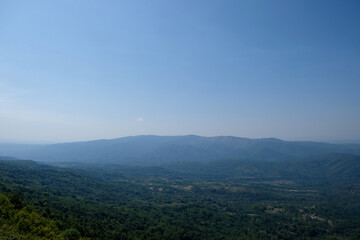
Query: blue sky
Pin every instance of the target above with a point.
(82, 70)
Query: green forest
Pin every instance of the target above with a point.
(229, 199)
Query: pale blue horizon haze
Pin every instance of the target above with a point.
(84, 70)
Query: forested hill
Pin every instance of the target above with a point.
(19, 221)
(317, 198)
(161, 149)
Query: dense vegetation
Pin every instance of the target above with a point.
(313, 198)
(19, 221)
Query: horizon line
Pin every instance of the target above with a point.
(20, 142)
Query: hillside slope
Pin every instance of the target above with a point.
(159, 149)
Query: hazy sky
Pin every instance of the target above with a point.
(80, 70)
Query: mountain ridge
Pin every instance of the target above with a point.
(145, 149)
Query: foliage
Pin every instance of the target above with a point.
(21, 222)
(233, 199)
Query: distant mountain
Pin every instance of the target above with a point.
(162, 149)
(13, 149)
(7, 158)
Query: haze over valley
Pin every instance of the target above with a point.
(164, 149)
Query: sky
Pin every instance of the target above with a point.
(79, 70)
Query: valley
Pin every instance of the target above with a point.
(312, 198)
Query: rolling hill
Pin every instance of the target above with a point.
(162, 149)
